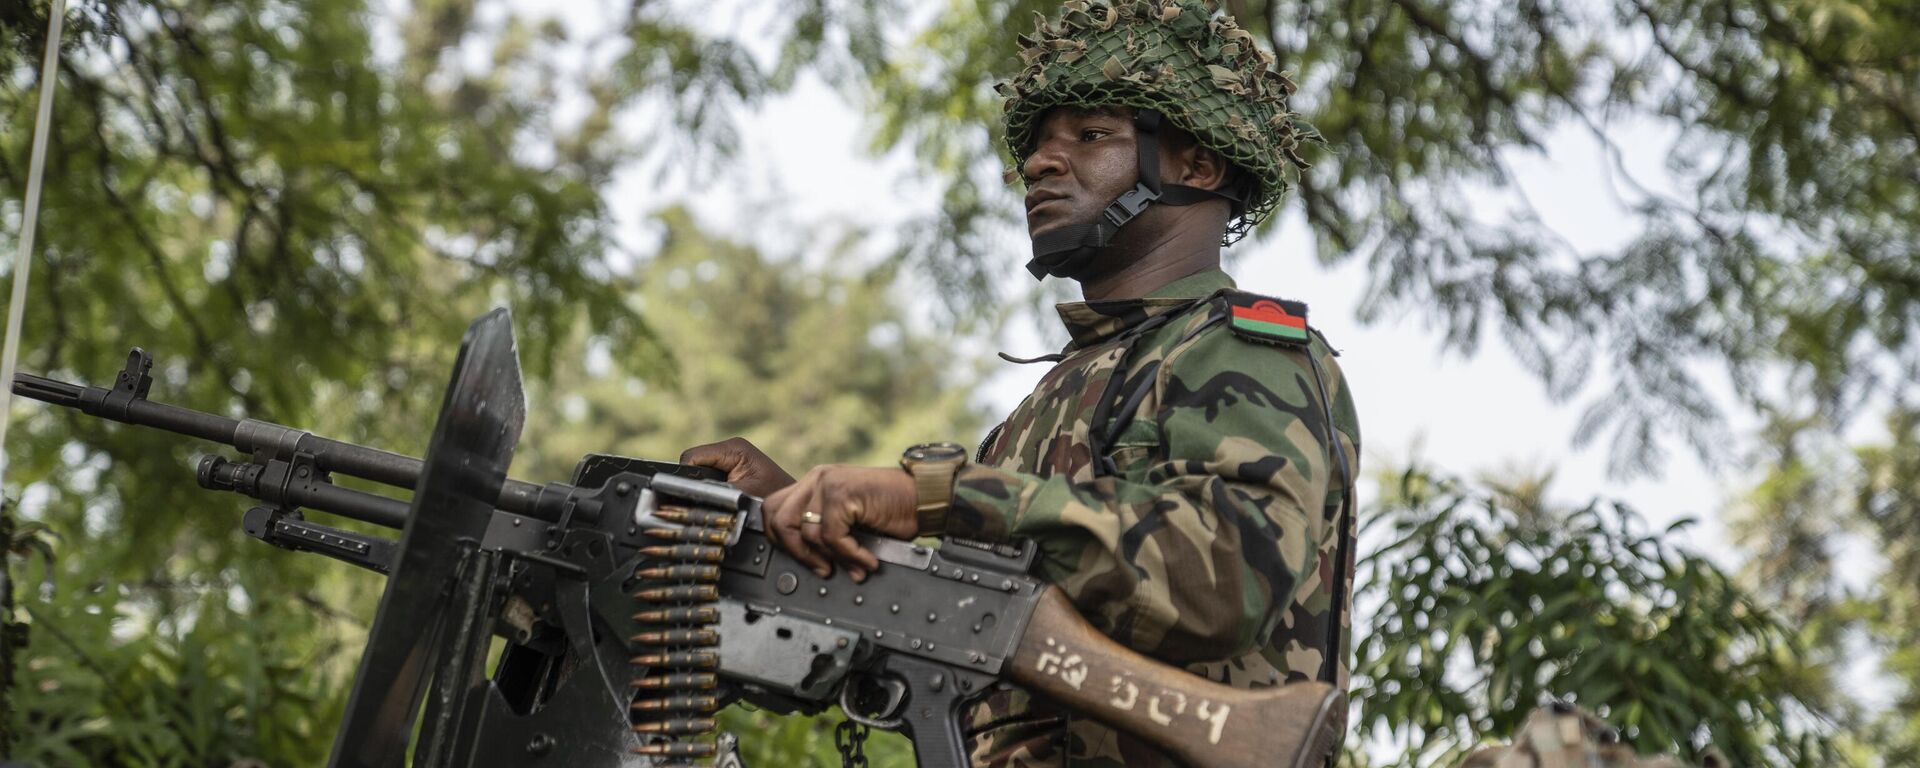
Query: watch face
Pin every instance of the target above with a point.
(936, 452)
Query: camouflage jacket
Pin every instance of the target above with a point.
(1208, 541)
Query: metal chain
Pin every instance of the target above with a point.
(851, 738)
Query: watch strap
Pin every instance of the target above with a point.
(933, 492)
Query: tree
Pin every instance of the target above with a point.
(1484, 610)
(813, 365)
(251, 181)
(1799, 149)
(297, 223)
(296, 232)
(1817, 496)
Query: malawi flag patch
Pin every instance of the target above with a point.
(1269, 320)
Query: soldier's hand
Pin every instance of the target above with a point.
(747, 468)
(814, 519)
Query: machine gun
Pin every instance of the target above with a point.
(641, 597)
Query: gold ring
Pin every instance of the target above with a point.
(810, 517)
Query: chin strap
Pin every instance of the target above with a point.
(1066, 250)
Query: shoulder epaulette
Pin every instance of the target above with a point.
(1266, 319)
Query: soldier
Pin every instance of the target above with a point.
(1186, 467)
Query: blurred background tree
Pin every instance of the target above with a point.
(301, 204)
(1486, 603)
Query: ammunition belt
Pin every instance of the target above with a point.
(676, 589)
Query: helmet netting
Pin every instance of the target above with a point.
(1200, 71)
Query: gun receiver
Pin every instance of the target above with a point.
(643, 596)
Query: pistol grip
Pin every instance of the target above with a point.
(937, 696)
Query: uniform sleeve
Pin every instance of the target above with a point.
(1194, 554)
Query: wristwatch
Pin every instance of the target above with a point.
(933, 466)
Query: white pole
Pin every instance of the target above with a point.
(37, 167)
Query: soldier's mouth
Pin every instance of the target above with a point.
(1040, 197)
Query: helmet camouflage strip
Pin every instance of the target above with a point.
(1198, 69)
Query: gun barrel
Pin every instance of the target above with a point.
(47, 390)
(96, 401)
(254, 436)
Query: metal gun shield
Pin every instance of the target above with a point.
(465, 466)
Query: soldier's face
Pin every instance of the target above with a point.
(1082, 160)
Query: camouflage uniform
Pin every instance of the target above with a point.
(1208, 541)
(1186, 481)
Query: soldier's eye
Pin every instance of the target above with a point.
(1092, 133)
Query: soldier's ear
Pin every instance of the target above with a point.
(1199, 166)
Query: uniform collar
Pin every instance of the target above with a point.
(1092, 322)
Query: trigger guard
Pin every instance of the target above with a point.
(896, 695)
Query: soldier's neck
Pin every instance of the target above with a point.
(1153, 265)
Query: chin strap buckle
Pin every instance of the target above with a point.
(1121, 211)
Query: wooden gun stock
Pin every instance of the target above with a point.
(1200, 722)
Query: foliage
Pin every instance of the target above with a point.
(17, 541)
(297, 222)
(112, 682)
(296, 231)
(1486, 611)
(298, 216)
(1794, 174)
(812, 365)
(1818, 496)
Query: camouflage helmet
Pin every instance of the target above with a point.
(1564, 736)
(1200, 71)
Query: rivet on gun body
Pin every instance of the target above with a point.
(786, 583)
(932, 617)
(823, 591)
(895, 608)
(859, 599)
